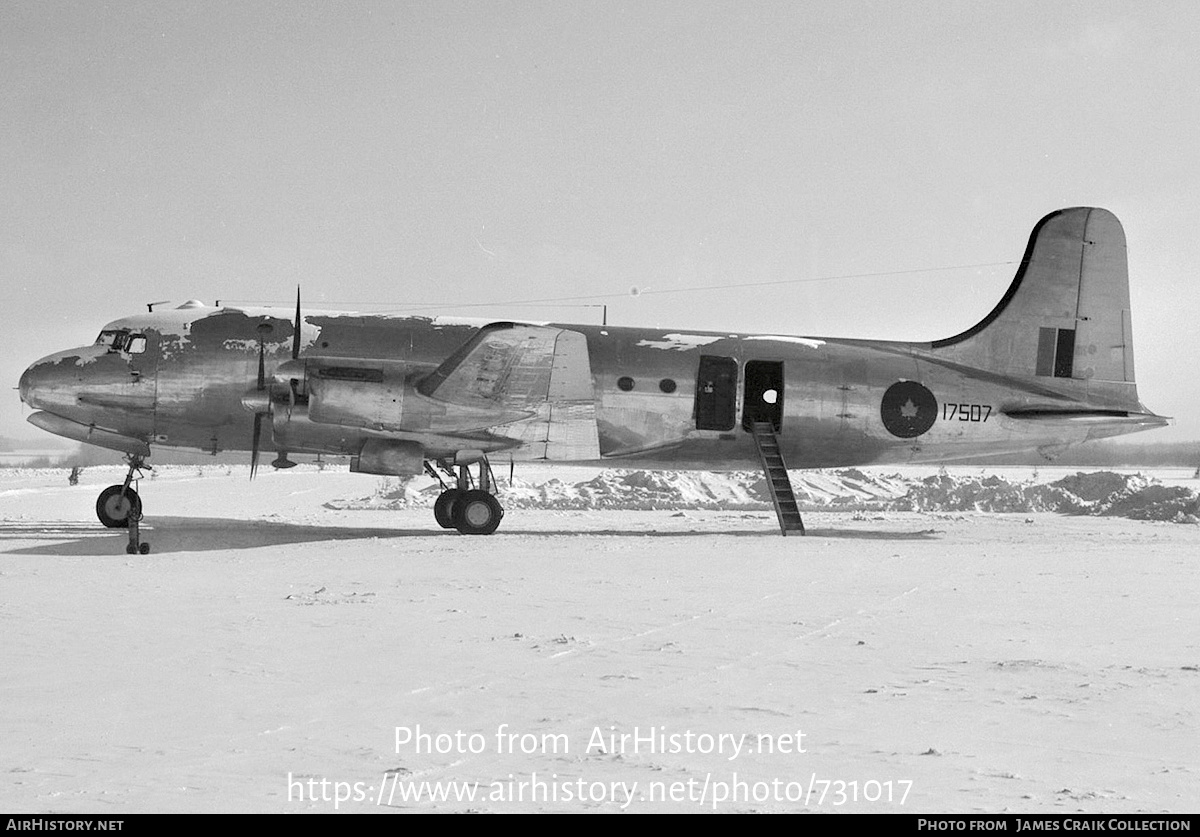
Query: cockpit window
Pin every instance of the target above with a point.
(122, 341)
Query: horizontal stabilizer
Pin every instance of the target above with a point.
(1083, 416)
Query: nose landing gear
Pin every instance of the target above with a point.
(136, 545)
(120, 507)
(470, 509)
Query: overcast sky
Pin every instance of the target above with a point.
(398, 154)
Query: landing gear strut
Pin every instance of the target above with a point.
(470, 506)
(119, 507)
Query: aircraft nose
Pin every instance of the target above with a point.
(55, 381)
(43, 384)
(25, 385)
(30, 381)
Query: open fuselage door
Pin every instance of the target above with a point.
(762, 399)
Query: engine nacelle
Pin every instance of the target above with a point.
(390, 457)
(357, 394)
(292, 430)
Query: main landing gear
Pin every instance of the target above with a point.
(119, 507)
(469, 506)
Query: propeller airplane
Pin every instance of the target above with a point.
(1050, 366)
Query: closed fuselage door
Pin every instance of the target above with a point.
(716, 393)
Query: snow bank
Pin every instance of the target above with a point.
(1099, 493)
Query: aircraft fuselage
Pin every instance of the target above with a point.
(185, 378)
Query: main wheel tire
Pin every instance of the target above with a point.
(477, 513)
(113, 510)
(443, 507)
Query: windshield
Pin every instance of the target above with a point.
(122, 341)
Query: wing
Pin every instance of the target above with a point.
(513, 366)
(540, 371)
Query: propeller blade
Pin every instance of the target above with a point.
(262, 369)
(264, 330)
(258, 417)
(296, 329)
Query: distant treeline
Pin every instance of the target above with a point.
(8, 445)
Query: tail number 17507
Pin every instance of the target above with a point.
(966, 412)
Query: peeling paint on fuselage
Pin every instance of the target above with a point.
(200, 363)
(679, 342)
(800, 341)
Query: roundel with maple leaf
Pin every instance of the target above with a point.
(908, 409)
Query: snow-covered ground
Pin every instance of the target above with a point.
(315, 634)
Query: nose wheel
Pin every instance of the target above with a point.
(470, 506)
(116, 504)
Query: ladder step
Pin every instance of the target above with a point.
(778, 482)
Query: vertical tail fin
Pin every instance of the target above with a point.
(1066, 315)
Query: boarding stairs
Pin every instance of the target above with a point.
(775, 469)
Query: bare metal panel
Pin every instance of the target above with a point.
(564, 424)
(572, 431)
(506, 367)
(1103, 297)
(571, 372)
(389, 456)
(1127, 343)
(367, 394)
